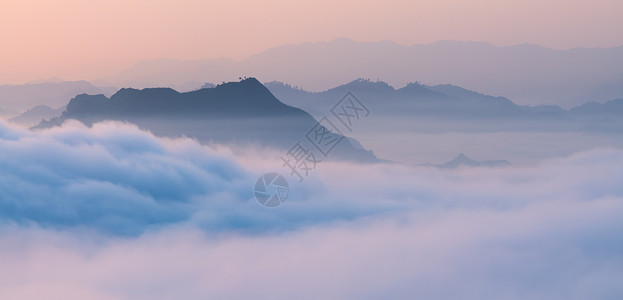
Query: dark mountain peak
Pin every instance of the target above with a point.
(248, 93)
(234, 112)
(126, 93)
(247, 82)
(463, 160)
(368, 82)
(365, 86)
(416, 89)
(247, 97)
(248, 86)
(414, 84)
(84, 103)
(282, 85)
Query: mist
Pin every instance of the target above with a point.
(311, 149)
(549, 230)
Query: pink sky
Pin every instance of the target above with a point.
(75, 39)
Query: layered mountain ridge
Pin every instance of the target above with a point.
(242, 112)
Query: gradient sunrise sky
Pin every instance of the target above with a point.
(75, 40)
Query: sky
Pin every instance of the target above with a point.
(111, 211)
(75, 40)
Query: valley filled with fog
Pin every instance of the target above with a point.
(311, 150)
(157, 185)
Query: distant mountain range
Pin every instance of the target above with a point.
(527, 74)
(248, 112)
(36, 114)
(452, 108)
(414, 99)
(613, 108)
(242, 112)
(428, 108)
(15, 99)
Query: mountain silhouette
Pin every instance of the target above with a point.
(528, 74)
(236, 112)
(415, 99)
(462, 160)
(19, 98)
(36, 114)
(444, 108)
(612, 107)
(601, 117)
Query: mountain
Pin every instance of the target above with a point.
(36, 114)
(463, 161)
(19, 98)
(610, 108)
(414, 99)
(601, 117)
(444, 108)
(603, 93)
(242, 112)
(528, 74)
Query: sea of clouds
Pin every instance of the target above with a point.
(113, 212)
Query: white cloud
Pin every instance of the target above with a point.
(550, 231)
(113, 176)
(553, 250)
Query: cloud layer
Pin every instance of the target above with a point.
(112, 212)
(113, 177)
